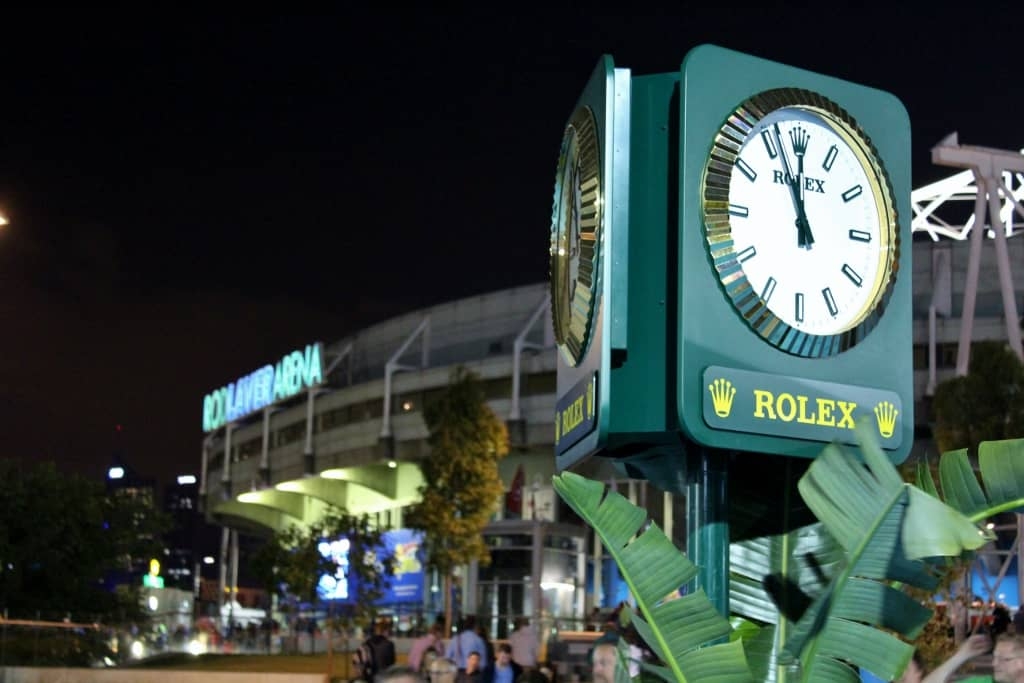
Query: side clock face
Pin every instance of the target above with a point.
(576, 224)
(800, 222)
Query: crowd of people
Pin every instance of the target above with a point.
(467, 657)
(470, 657)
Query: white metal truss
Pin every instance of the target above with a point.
(393, 365)
(955, 208)
(519, 346)
(994, 184)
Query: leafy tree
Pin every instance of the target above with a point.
(60, 535)
(987, 404)
(291, 564)
(461, 485)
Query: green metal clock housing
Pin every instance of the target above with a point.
(608, 267)
(794, 293)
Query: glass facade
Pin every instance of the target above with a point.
(537, 570)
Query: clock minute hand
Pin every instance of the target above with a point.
(789, 179)
(798, 136)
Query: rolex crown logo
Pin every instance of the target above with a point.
(885, 416)
(798, 136)
(722, 394)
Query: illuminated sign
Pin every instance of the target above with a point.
(403, 548)
(295, 371)
(760, 403)
(153, 578)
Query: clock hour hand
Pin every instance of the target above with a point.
(803, 228)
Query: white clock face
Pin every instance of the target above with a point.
(810, 229)
(821, 278)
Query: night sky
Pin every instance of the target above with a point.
(193, 196)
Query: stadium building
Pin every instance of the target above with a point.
(340, 423)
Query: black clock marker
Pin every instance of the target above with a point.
(798, 312)
(852, 275)
(769, 144)
(747, 254)
(769, 289)
(746, 170)
(860, 236)
(830, 158)
(737, 210)
(852, 192)
(830, 301)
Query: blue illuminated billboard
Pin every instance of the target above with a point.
(402, 548)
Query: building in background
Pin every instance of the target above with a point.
(350, 432)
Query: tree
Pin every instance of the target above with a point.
(292, 562)
(60, 536)
(461, 485)
(987, 404)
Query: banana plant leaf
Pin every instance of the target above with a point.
(1001, 465)
(828, 591)
(771, 583)
(883, 526)
(682, 631)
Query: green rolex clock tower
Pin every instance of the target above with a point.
(730, 277)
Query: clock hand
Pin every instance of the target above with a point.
(799, 138)
(789, 179)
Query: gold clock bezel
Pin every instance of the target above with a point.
(728, 143)
(578, 203)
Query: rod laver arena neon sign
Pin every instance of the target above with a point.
(295, 371)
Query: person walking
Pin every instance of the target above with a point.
(474, 672)
(604, 660)
(376, 654)
(1008, 659)
(399, 674)
(488, 668)
(504, 669)
(525, 645)
(465, 642)
(424, 644)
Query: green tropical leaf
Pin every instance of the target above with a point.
(679, 631)
(879, 521)
(772, 582)
(1001, 489)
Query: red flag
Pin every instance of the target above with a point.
(514, 497)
